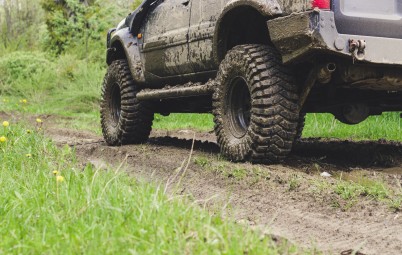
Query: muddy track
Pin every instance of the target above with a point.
(301, 216)
(260, 195)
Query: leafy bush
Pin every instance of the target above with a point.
(79, 27)
(21, 72)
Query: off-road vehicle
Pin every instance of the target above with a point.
(258, 65)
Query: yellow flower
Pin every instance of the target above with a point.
(6, 124)
(55, 172)
(29, 131)
(60, 178)
(28, 155)
(24, 101)
(39, 120)
(3, 139)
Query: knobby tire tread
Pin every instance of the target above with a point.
(274, 112)
(135, 122)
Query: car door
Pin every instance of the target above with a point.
(165, 39)
(204, 15)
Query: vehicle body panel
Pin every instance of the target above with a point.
(125, 41)
(165, 39)
(204, 15)
(313, 32)
(179, 39)
(369, 17)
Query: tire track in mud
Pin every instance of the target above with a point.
(301, 216)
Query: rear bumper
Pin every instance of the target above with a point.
(303, 35)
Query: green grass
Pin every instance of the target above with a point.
(65, 86)
(386, 126)
(365, 187)
(201, 122)
(101, 212)
(230, 170)
(354, 185)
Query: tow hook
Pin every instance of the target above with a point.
(357, 48)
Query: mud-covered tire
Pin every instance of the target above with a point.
(124, 119)
(300, 126)
(271, 121)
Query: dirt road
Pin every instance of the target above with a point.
(291, 200)
(263, 196)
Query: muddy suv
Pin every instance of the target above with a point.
(258, 65)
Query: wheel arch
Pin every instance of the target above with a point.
(115, 52)
(256, 12)
(125, 47)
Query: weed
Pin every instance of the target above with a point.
(348, 190)
(396, 203)
(335, 203)
(237, 173)
(320, 186)
(294, 182)
(201, 161)
(363, 187)
(258, 174)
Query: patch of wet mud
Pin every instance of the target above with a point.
(331, 154)
(350, 154)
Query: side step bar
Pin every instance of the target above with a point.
(187, 90)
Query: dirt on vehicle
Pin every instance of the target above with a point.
(257, 66)
(283, 200)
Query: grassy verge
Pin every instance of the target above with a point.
(65, 86)
(51, 206)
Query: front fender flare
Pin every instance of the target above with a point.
(125, 45)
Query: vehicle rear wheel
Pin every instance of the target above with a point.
(124, 119)
(300, 126)
(255, 105)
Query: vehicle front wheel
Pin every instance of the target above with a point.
(255, 105)
(124, 119)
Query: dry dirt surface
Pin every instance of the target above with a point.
(283, 200)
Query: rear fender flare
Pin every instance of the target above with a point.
(267, 8)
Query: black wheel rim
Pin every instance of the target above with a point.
(239, 107)
(115, 104)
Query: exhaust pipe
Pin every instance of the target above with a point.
(324, 76)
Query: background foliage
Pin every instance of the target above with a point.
(52, 53)
(60, 26)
